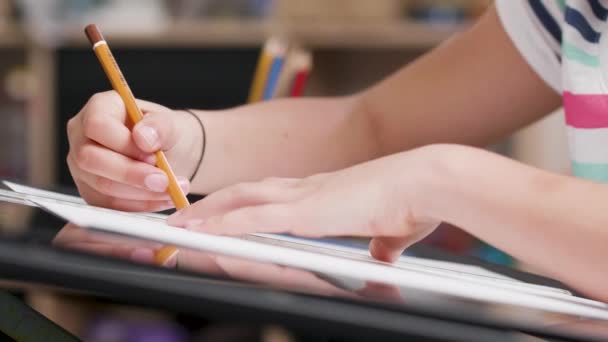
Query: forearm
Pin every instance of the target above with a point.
(474, 89)
(283, 138)
(553, 222)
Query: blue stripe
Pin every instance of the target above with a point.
(546, 19)
(591, 171)
(273, 77)
(578, 21)
(600, 11)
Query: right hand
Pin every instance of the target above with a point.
(114, 167)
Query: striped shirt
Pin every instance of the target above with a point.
(564, 42)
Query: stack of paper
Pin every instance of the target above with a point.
(445, 278)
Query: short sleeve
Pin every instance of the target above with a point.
(534, 26)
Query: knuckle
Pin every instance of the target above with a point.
(132, 175)
(70, 126)
(92, 123)
(103, 101)
(84, 157)
(94, 102)
(218, 221)
(104, 185)
(375, 227)
(239, 190)
(98, 98)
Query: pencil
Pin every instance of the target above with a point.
(302, 64)
(108, 63)
(276, 67)
(260, 77)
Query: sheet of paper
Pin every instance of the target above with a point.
(28, 190)
(455, 270)
(13, 197)
(404, 260)
(39, 193)
(416, 264)
(459, 271)
(155, 230)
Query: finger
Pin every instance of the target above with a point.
(96, 198)
(111, 188)
(156, 132)
(268, 218)
(113, 134)
(104, 119)
(237, 196)
(97, 160)
(140, 206)
(389, 249)
(108, 187)
(110, 103)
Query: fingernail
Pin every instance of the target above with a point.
(157, 182)
(150, 137)
(194, 224)
(143, 255)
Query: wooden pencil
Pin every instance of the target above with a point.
(262, 71)
(112, 71)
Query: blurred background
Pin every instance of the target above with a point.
(202, 54)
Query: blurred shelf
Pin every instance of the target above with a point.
(233, 32)
(395, 35)
(11, 36)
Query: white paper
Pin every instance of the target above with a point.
(405, 261)
(137, 226)
(28, 190)
(39, 193)
(451, 269)
(445, 268)
(13, 197)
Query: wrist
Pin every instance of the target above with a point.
(441, 188)
(186, 155)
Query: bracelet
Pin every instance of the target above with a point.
(200, 159)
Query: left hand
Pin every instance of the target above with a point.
(382, 199)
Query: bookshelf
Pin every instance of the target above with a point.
(398, 34)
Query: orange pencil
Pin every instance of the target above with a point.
(110, 67)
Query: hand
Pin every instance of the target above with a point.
(113, 167)
(382, 199)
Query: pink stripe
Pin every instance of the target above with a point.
(586, 111)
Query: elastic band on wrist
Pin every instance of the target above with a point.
(200, 159)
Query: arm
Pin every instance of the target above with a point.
(474, 89)
(553, 222)
(471, 90)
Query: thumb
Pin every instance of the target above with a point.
(156, 131)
